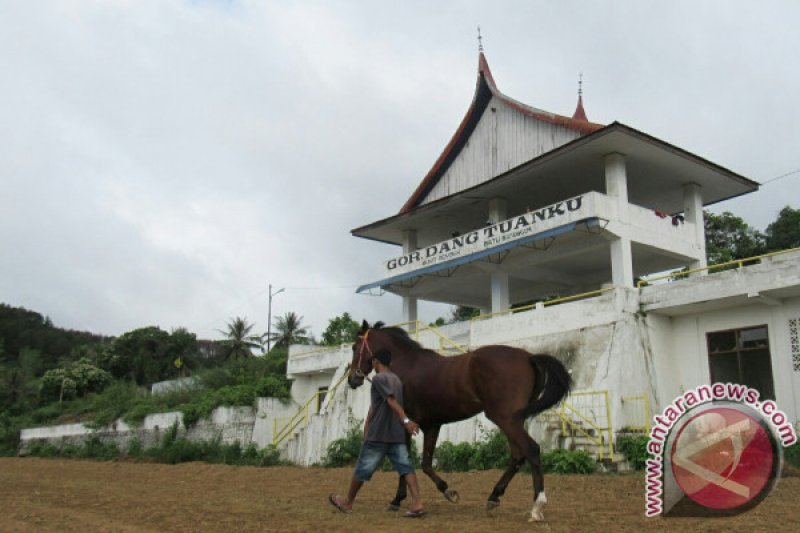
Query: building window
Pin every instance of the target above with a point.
(794, 340)
(742, 356)
(322, 392)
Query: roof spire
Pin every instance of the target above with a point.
(580, 114)
(480, 40)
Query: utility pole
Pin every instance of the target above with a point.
(269, 312)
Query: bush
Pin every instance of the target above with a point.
(792, 454)
(344, 451)
(568, 462)
(635, 449)
(451, 457)
(43, 449)
(491, 452)
(93, 448)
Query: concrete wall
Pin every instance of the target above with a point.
(244, 424)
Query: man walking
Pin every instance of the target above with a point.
(384, 434)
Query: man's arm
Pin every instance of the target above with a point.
(411, 426)
(366, 422)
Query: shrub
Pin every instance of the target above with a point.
(344, 451)
(94, 448)
(492, 452)
(635, 449)
(792, 454)
(568, 462)
(43, 449)
(451, 457)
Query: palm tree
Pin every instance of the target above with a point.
(289, 330)
(240, 342)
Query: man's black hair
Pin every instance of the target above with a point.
(384, 356)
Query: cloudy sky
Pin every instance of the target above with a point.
(162, 163)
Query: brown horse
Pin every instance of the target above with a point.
(508, 384)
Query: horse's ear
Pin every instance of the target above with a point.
(364, 328)
(378, 325)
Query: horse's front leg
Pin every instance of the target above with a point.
(431, 436)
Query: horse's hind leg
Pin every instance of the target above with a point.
(505, 479)
(429, 445)
(394, 505)
(522, 447)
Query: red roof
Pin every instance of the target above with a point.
(579, 113)
(485, 89)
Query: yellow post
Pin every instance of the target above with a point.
(610, 426)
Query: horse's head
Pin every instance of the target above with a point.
(363, 348)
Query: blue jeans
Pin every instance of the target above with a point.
(372, 453)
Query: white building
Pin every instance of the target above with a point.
(524, 206)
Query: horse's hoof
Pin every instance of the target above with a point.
(536, 517)
(451, 495)
(392, 507)
(491, 505)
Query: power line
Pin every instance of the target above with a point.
(332, 287)
(776, 178)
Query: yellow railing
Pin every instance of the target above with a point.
(421, 326)
(555, 301)
(739, 263)
(644, 411)
(589, 410)
(281, 430)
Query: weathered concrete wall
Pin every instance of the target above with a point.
(244, 424)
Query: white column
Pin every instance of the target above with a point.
(621, 262)
(500, 295)
(617, 183)
(409, 302)
(498, 211)
(409, 308)
(617, 191)
(693, 215)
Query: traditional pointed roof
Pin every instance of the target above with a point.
(485, 89)
(579, 113)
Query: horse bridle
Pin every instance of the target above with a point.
(364, 344)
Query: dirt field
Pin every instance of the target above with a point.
(60, 495)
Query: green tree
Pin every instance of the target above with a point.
(728, 237)
(784, 233)
(461, 313)
(289, 330)
(341, 330)
(78, 379)
(240, 341)
(147, 355)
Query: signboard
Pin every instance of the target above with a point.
(491, 236)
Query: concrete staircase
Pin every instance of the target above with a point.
(581, 436)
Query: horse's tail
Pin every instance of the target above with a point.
(552, 383)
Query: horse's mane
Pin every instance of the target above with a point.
(400, 335)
